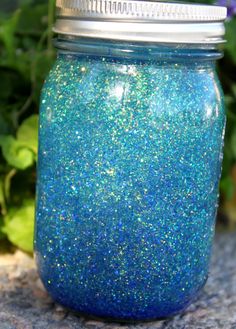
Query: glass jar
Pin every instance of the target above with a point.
(130, 149)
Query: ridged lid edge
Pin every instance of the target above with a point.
(142, 10)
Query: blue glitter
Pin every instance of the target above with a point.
(130, 157)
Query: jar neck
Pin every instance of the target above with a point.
(187, 53)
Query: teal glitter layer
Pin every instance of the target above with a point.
(129, 164)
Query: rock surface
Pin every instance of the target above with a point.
(24, 304)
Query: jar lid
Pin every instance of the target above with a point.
(144, 21)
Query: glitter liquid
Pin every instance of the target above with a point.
(130, 151)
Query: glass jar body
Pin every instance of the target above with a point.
(130, 151)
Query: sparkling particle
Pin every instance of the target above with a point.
(129, 165)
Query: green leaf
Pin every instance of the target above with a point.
(33, 19)
(25, 2)
(233, 143)
(1, 193)
(2, 234)
(230, 36)
(27, 134)
(15, 153)
(19, 226)
(2, 198)
(7, 33)
(227, 187)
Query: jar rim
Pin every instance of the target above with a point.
(147, 21)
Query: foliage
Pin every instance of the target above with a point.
(227, 73)
(26, 56)
(23, 238)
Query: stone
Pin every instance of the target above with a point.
(94, 324)
(25, 304)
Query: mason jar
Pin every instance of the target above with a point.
(130, 150)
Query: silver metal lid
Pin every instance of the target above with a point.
(146, 21)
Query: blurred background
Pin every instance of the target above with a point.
(26, 55)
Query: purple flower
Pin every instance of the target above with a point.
(230, 5)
